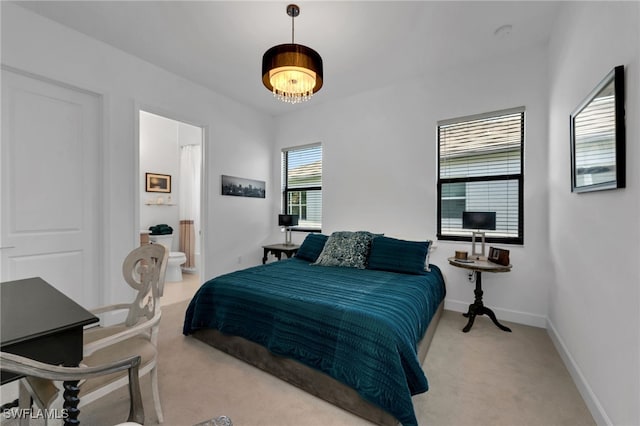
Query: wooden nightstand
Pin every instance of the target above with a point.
(477, 307)
(278, 249)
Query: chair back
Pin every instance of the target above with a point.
(144, 270)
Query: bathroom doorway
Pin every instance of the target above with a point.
(170, 168)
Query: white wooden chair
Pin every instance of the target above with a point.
(144, 270)
(21, 365)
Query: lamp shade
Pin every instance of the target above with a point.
(292, 71)
(479, 220)
(287, 220)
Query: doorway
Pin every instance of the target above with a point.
(170, 167)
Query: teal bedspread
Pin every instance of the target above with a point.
(359, 326)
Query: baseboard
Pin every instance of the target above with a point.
(593, 404)
(525, 318)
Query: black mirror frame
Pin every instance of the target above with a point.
(617, 77)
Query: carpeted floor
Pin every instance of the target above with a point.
(484, 377)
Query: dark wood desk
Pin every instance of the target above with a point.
(39, 322)
(278, 250)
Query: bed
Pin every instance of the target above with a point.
(355, 336)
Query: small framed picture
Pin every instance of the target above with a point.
(499, 256)
(157, 182)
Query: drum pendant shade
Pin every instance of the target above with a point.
(293, 72)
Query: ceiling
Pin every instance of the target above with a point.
(364, 45)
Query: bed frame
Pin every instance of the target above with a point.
(306, 378)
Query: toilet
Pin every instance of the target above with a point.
(176, 258)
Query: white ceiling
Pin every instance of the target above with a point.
(364, 45)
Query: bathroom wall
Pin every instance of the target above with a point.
(160, 142)
(159, 153)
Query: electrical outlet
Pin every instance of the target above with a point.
(471, 276)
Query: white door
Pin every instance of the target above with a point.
(50, 168)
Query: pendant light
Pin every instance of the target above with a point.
(293, 72)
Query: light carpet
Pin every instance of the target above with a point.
(484, 377)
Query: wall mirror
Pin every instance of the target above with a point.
(598, 137)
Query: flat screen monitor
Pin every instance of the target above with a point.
(479, 220)
(287, 220)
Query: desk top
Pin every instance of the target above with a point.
(479, 265)
(32, 308)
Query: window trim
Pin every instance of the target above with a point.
(519, 177)
(286, 190)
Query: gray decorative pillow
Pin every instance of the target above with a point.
(346, 248)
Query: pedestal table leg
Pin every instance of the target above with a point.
(478, 308)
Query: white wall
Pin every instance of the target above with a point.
(238, 138)
(380, 166)
(594, 237)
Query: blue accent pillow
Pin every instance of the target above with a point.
(407, 257)
(346, 248)
(312, 247)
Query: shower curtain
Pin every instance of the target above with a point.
(190, 160)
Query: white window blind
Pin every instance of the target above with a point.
(480, 169)
(302, 184)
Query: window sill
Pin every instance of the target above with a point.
(303, 229)
(495, 240)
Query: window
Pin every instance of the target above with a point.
(480, 168)
(302, 185)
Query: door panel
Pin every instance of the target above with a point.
(59, 267)
(50, 185)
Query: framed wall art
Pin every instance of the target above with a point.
(157, 183)
(241, 187)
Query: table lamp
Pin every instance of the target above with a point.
(478, 221)
(287, 221)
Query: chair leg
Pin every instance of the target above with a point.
(136, 409)
(24, 401)
(156, 394)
